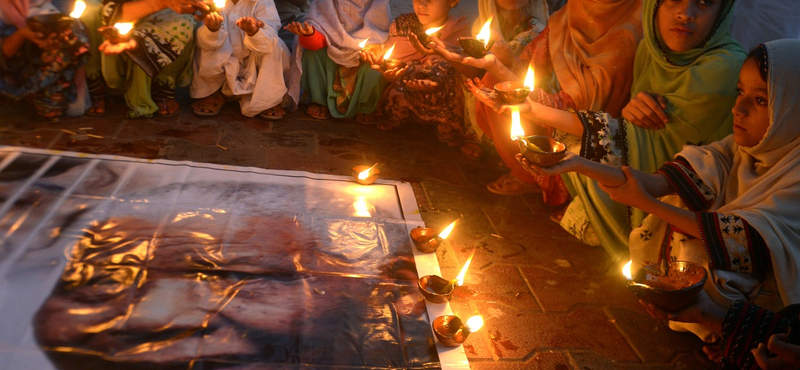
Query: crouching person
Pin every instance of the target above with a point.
(240, 56)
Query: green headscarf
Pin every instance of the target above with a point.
(700, 89)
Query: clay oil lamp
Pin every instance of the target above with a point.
(452, 332)
(370, 48)
(57, 22)
(366, 175)
(389, 63)
(425, 37)
(426, 240)
(672, 289)
(436, 289)
(543, 151)
(477, 46)
(213, 6)
(515, 92)
(118, 33)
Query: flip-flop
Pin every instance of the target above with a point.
(96, 99)
(213, 109)
(268, 117)
(510, 185)
(165, 103)
(326, 115)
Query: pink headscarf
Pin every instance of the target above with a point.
(16, 11)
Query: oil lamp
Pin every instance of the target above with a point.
(425, 37)
(389, 63)
(77, 11)
(371, 48)
(515, 92)
(672, 289)
(366, 175)
(452, 332)
(214, 6)
(426, 240)
(436, 289)
(478, 46)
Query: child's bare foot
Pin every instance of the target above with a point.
(273, 114)
(168, 108)
(318, 111)
(98, 108)
(209, 106)
(472, 150)
(366, 118)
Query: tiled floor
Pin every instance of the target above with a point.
(549, 301)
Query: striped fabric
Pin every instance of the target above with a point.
(745, 326)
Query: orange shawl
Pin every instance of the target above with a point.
(592, 46)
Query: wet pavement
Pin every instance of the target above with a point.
(549, 301)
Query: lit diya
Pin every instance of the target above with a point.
(515, 92)
(118, 33)
(452, 332)
(366, 175)
(371, 48)
(389, 63)
(543, 151)
(672, 289)
(436, 289)
(213, 6)
(425, 37)
(426, 240)
(477, 46)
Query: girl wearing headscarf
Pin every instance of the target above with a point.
(156, 59)
(39, 68)
(685, 71)
(326, 62)
(583, 59)
(729, 205)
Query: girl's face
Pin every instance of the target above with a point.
(433, 13)
(750, 113)
(684, 24)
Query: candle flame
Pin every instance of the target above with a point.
(362, 207)
(362, 44)
(219, 4)
(474, 323)
(627, 270)
(485, 34)
(363, 175)
(516, 127)
(460, 278)
(431, 31)
(446, 232)
(124, 28)
(389, 52)
(80, 6)
(529, 79)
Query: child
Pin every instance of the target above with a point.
(36, 67)
(240, 55)
(428, 89)
(326, 60)
(157, 56)
(732, 204)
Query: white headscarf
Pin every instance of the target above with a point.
(345, 24)
(761, 184)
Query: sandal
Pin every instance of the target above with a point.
(318, 111)
(51, 116)
(366, 118)
(168, 108)
(98, 108)
(273, 114)
(209, 106)
(510, 185)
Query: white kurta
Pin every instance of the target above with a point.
(249, 67)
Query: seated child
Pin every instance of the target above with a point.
(38, 68)
(157, 56)
(428, 89)
(326, 60)
(240, 55)
(730, 205)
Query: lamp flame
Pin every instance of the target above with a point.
(460, 278)
(219, 4)
(363, 175)
(485, 34)
(516, 127)
(431, 31)
(124, 28)
(529, 79)
(80, 6)
(389, 52)
(627, 270)
(446, 232)
(474, 323)
(362, 44)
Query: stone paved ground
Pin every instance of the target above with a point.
(549, 301)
